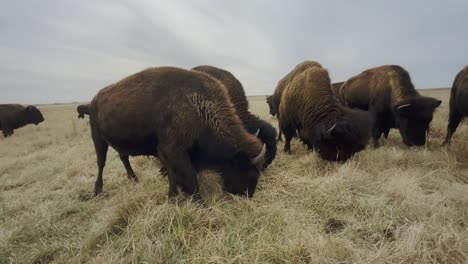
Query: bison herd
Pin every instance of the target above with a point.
(199, 119)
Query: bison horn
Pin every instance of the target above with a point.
(258, 132)
(403, 106)
(331, 129)
(259, 156)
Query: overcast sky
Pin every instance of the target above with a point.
(67, 50)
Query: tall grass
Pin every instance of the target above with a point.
(388, 205)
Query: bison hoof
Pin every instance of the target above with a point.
(133, 179)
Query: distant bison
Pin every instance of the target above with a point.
(253, 124)
(388, 93)
(309, 107)
(275, 99)
(458, 103)
(82, 110)
(13, 116)
(186, 119)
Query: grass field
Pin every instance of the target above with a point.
(387, 205)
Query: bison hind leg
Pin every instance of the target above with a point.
(454, 120)
(101, 153)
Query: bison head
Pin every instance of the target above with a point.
(33, 115)
(340, 140)
(271, 104)
(413, 117)
(240, 174)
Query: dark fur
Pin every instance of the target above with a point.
(309, 107)
(251, 122)
(274, 100)
(458, 103)
(382, 91)
(82, 110)
(13, 116)
(185, 118)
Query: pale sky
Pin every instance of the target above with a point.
(67, 50)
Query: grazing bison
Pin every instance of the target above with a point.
(309, 107)
(458, 103)
(253, 124)
(13, 116)
(388, 93)
(186, 119)
(82, 110)
(275, 99)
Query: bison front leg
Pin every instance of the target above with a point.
(180, 172)
(130, 173)
(288, 135)
(377, 130)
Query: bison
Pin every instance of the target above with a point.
(183, 117)
(389, 95)
(309, 107)
(275, 99)
(253, 124)
(82, 110)
(13, 116)
(458, 103)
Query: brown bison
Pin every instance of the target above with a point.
(253, 124)
(275, 99)
(458, 103)
(13, 116)
(186, 119)
(82, 110)
(309, 107)
(388, 93)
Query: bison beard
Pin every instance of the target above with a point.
(184, 118)
(235, 90)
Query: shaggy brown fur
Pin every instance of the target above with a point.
(458, 103)
(309, 107)
(253, 124)
(186, 119)
(388, 93)
(13, 116)
(275, 99)
(82, 110)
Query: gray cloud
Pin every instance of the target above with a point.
(62, 51)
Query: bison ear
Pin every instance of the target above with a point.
(29, 108)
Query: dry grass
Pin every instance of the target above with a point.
(390, 205)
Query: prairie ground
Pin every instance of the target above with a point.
(393, 204)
